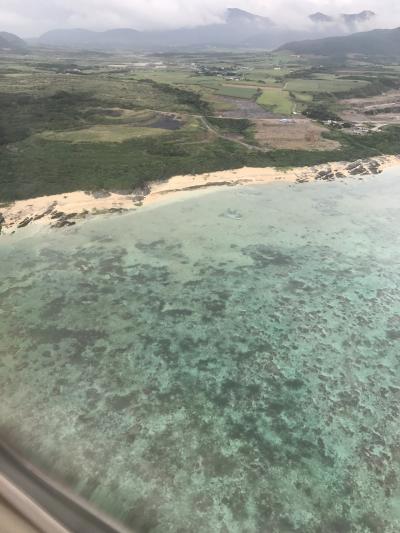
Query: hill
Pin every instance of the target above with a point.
(351, 20)
(238, 28)
(368, 43)
(11, 42)
(238, 16)
(321, 18)
(80, 38)
(238, 25)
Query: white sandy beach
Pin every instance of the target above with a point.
(66, 209)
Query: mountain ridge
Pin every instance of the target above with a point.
(349, 19)
(238, 28)
(234, 15)
(11, 42)
(369, 43)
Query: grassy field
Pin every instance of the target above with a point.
(237, 91)
(325, 85)
(277, 101)
(102, 134)
(304, 98)
(116, 125)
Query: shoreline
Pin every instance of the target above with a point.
(67, 209)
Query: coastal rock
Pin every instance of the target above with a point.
(100, 194)
(374, 167)
(360, 168)
(57, 214)
(60, 215)
(25, 222)
(48, 211)
(142, 191)
(358, 171)
(364, 168)
(138, 198)
(326, 175)
(118, 210)
(63, 219)
(353, 166)
(356, 168)
(63, 223)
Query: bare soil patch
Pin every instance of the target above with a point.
(297, 134)
(377, 109)
(242, 108)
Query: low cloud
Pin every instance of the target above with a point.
(30, 18)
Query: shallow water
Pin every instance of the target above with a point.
(227, 363)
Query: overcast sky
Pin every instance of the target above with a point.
(33, 17)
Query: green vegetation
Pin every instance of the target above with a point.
(302, 97)
(238, 92)
(373, 86)
(231, 125)
(241, 127)
(112, 126)
(103, 134)
(44, 167)
(276, 101)
(370, 44)
(325, 85)
(184, 97)
(320, 112)
(24, 114)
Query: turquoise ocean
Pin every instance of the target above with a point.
(225, 363)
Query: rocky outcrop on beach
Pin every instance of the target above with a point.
(366, 167)
(63, 219)
(65, 210)
(25, 222)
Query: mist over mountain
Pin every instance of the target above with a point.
(353, 19)
(370, 43)
(239, 16)
(350, 20)
(29, 18)
(80, 38)
(321, 18)
(238, 28)
(11, 43)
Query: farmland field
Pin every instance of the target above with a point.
(237, 91)
(277, 101)
(324, 85)
(301, 134)
(305, 98)
(117, 122)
